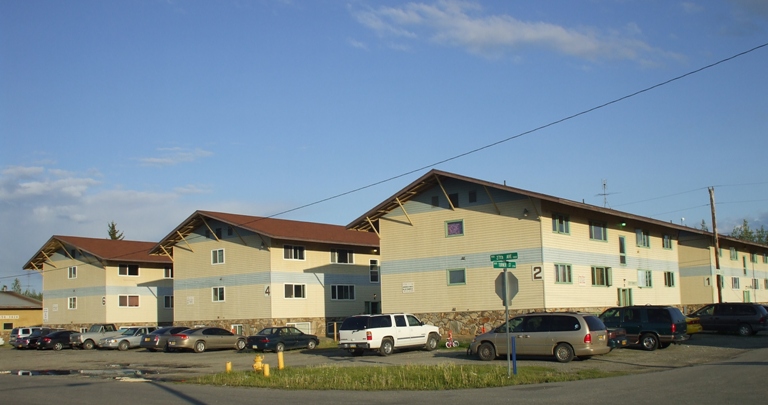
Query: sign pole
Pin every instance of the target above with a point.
(506, 321)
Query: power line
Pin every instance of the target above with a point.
(519, 135)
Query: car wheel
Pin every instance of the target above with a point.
(563, 353)
(432, 342)
(311, 345)
(240, 345)
(280, 347)
(199, 346)
(58, 346)
(386, 347)
(88, 345)
(486, 352)
(745, 329)
(122, 346)
(649, 341)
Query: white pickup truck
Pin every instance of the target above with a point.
(386, 332)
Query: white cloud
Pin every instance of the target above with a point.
(174, 156)
(463, 25)
(357, 44)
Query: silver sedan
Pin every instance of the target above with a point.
(202, 339)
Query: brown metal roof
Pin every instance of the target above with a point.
(272, 227)
(105, 250)
(369, 220)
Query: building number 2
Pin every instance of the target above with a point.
(537, 273)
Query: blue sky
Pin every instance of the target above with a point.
(141, 112)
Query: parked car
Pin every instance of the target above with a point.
(386, 332)
(127, 339)
(741, 317)
(693, 325)
(30, 342)
(158, 339)
(617, 338)
(20, 332)
(202, 339)
(650, 326)
(88, 340)
(559, 334)
(281, 338)
(55, 340)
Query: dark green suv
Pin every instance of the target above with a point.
(649, 326)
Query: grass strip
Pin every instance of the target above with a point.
(408, 377)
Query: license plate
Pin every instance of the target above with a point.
(601, 337)
(147, 339)
(623, 342)
(255, 346)
(171, 343)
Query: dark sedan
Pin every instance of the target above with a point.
(30, 342)
(282, 338)
(56, 340)
(158, 340)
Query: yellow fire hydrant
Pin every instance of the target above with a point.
(258, 364)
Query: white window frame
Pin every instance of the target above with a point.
(345, 290)
(72, 272)
(290, 252)
(124, 270)
(71, 302)
(302, 290)
(374, 272)
(347, 254)
(127, 298)
(168, 272)
(217, 256)
(645, 278)
(216, 292)
(167, 298)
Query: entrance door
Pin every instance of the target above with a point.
(747, 297)
(625, 297)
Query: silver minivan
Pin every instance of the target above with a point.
(21, 332)
(559, 334)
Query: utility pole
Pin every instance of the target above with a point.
(716, 243)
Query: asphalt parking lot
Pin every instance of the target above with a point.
(702, 348)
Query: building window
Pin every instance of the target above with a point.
(131, 270)
(454, 199)
(217, 256)
(128, 300)
(735, 283)
(72, 302)
(168, 301)
(734, 255)
(644, 278)
(373, 271)
(435, 201)
(230, 231)
(622, 250)
(601, 276)
(643, 238)
(218, 294)
(744, 264)
(667, 240)
(168, 272)
(454, 228)
(563, 273)
(597, 231)
(765, 257)
(669, 279)
(7, 325)
(342, 292)
(291, 252)
(560, 224)
(765, 284)
(753, 257)
(342, 256)
(237, 329)
(755, 284)
(295, 291)
(457, 277)
(72, 272)
(473, 196)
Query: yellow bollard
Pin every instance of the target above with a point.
(229, 367)
(257, 363)
(280, 362)
(266, 370)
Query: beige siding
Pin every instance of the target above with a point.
(88, 287)
(697, 271)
